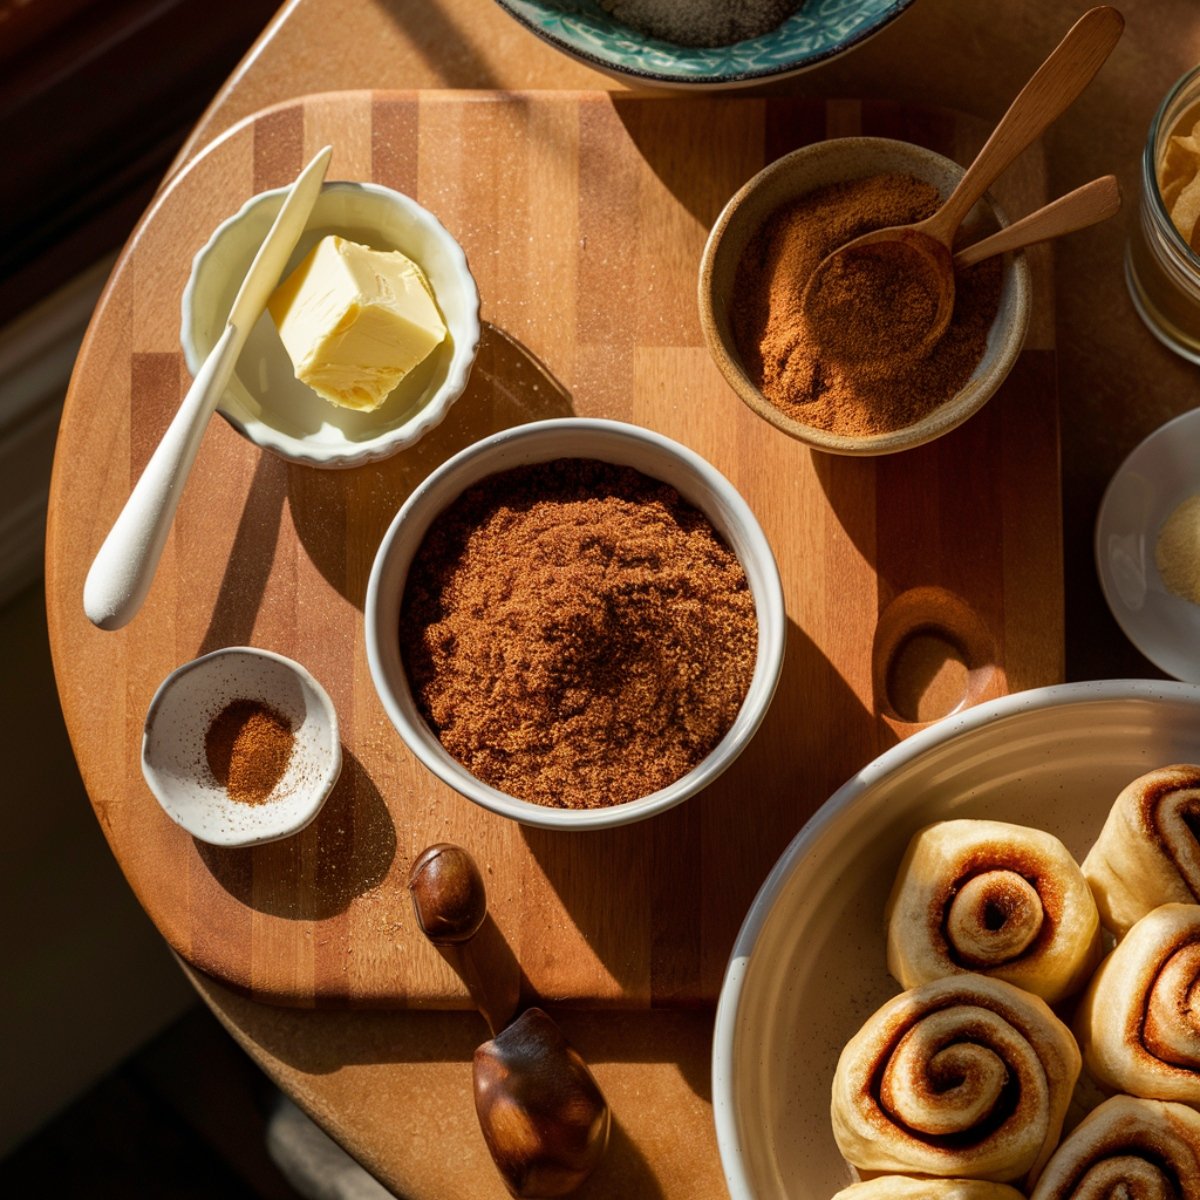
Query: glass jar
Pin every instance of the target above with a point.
(1161, 269)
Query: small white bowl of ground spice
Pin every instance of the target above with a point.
(241, 746)
(575, 623)
(877, 397)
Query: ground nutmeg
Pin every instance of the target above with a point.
(844, 365)
(248, 746)
(576, 634)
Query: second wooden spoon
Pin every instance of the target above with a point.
(1087, 205)
(925, 248)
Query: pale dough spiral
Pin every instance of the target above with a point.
(898, 1187)
(1148, 852)
(1127, 1149)
(998, 899)
(966, 1075)
(1139, 1023)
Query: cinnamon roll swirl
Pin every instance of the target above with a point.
(1127, 1149)
(1139, 1023)
(965, 1076)
(898, 1187)
(993, 898)
(1148, 852)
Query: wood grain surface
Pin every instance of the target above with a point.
(583, 217)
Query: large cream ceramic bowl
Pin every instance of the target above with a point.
(809, 964)
(543, 441)
(816, 166)
(264, 400)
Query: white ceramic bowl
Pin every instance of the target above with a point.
(609, 441)
(809, 965)
(1158, 475)
(264, 399)
(816, 166)
(173, 755)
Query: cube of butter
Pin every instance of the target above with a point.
(355, 321)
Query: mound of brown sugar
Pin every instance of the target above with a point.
(576, 634)
(842, 374)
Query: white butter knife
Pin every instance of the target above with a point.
(122, 571)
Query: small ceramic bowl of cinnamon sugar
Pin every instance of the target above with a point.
(241, 746)
(876, 397)
(575, 623)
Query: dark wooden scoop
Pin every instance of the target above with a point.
(450, 902)
(543, 1116)
(542, 1113)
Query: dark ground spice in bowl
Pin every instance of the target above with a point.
(248, 747)
(834, 383)
(576, 634)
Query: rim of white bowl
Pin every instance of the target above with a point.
(769, 609)
(320, 790)
(431, 414)
(725, 1026)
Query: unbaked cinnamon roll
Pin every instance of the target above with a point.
(993, 898)
(1148, 852)
(1139, 1023)
(1127, 1149)
(899, 1187)
(965, 1076)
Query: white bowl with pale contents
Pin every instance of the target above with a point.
(264, 400)
(175, 760)
(809, 965)
(1160, 474)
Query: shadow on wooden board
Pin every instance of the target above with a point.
(340, 512)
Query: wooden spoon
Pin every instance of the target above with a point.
(1087, 205)
(925, 247)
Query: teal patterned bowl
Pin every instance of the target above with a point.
(819, 31)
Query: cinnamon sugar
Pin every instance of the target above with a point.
(856, 381)
(576, 634)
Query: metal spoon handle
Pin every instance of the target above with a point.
(1055, 85)
(1087, 205)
